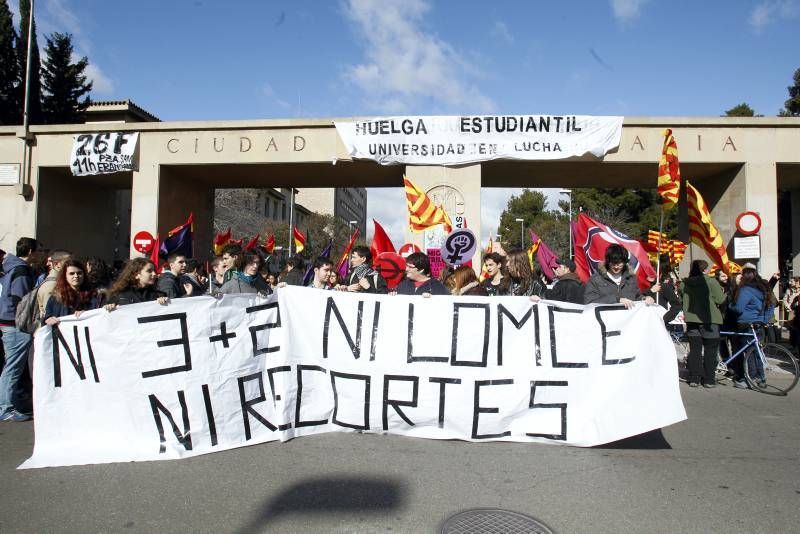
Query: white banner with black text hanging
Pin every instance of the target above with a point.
(454, 140)
(104, 153)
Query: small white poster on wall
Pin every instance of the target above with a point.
(747, 248)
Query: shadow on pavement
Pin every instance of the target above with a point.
(326, 495)
(649, 440)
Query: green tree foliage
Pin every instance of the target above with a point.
(528, 205)
(791, 108)
(631, 211)
(66, 90)
(742, 110)
(35, 92)
(9, 68)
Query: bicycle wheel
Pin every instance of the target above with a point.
(779, 374)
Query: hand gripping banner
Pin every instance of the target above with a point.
(199, 375)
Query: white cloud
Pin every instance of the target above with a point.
(102, 84)
(768, 12)
(501, 31)
(58, 16)
(268, 92)
(405, 65)
(626, 10)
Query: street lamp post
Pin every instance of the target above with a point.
(569, 192)
(350, 226)
(521, 232)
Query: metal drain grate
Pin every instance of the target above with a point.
(491, 520)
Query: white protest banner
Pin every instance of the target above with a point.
(150, 382)
(453, 140)
(104, 153)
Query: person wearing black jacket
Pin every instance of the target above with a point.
(135, 284)
(170, 282)
(363, 278)
(418, 279)
(568, 287)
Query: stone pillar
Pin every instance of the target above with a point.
(144, 200)
(459, 189)
(762, 198)
(795, 229)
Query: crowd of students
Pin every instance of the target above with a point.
(66, 286)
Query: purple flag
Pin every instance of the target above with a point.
(545, 257)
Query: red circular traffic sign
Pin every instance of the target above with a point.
(407, 249)
(143, 242)
(748, 223)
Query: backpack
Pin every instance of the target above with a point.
(28, 317)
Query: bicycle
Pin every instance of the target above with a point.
(768, 367)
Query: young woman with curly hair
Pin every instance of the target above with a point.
(136, 283)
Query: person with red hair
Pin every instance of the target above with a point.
(72, 293)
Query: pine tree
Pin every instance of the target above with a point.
(65, 88)
(35, 93)
(9, 69)
(791, 108)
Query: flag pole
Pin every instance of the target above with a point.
(658, 249)
(291, 219)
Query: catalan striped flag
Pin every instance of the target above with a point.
(669, 171)
(702, 230)
(674, 248)
(422, 213)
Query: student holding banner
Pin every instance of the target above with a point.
(418, 279)
(363, 278)
(497, 282)
(71, 294)
(245, 277)
(523, 282)
(322, 272)
(135, 284)
(614, 282)
(464, 281)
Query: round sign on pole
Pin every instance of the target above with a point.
(408, 248)
(748, 223)
(459, 247)
(143, 242)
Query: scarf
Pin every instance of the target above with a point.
(248, 279)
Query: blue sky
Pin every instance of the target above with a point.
(249, 59)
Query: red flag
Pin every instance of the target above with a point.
(220, 240)
(156, 251)
(380, 241)
(592, 238)
(253, 242)
(269, 246)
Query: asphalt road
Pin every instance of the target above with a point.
(732, 466)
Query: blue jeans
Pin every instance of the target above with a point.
(15, 345)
